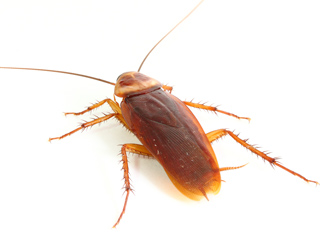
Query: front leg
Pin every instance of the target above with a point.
(214, 109)
(113, 104)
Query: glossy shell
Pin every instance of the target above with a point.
(172, 134)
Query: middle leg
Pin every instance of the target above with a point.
(136, 149)
(86, 125)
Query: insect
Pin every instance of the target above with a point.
(168, 132)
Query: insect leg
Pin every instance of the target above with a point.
(216, 134)
(231, 168)
(167, 88)
(86, 125)
(214, 109)
(114, 105)
(273, 161)
(133, 148)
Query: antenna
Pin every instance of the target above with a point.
(101, 80)
(169, 33)
(63, 72)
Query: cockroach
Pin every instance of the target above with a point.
(168, 131)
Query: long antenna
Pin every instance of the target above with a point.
(101, 80)
(63, 72)
(168, 34)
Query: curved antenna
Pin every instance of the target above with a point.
(63, 72)
(168, 34)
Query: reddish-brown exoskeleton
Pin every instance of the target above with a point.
(168, 131)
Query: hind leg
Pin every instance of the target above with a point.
(214, 135)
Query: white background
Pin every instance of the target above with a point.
(268, 60)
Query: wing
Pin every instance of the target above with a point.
(168, 129)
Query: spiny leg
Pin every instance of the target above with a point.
(232, 168)
(115, 107)
(214, 109)
(214, 135)
(86, 125)
(113, 104)
(136, 149)
(222, 132)
(217, 134)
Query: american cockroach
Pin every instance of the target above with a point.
(168, 131)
